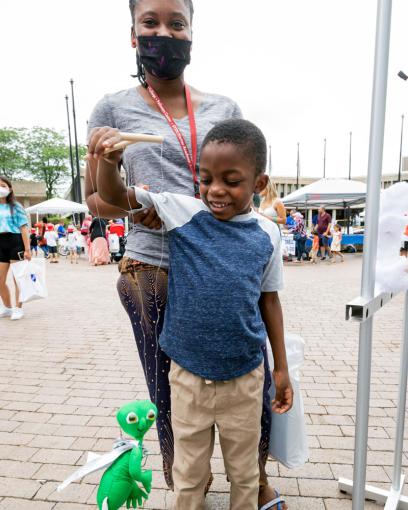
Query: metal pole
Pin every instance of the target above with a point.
(399, 438)
(378, 105)
(298, 166)
(79, 191)
(324, 160)
(71, 157)
(400, 154)
(351, 137)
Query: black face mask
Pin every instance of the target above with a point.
(163, 57)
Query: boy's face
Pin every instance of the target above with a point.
(228, 180)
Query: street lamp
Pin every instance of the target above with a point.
(404, 77)
(71, 157)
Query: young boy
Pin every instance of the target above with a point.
(52, 242)
(225, 274)
(34, 242)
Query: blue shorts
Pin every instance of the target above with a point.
(324, 241)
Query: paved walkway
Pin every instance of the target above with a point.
(71, 363)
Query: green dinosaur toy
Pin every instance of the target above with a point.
(119, 482)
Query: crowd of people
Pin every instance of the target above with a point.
(325, 237)
(94, 237)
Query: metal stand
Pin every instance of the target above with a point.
(364, 308)
(359, 310)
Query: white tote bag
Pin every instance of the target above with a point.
(288, 440)
(30, 278)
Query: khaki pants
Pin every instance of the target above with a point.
(235, 406)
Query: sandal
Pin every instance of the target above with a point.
(277, 501)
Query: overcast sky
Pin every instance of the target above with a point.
(302, 70)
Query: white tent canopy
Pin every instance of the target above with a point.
(335, 193)
(57, 206)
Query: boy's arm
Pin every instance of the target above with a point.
(271, 312)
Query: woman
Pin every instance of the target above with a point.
(272, 206)
(98, 248)
(162, 104)
(14, 245)
(42, 229)
(300, 236)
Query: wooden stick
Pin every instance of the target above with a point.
(131, 138)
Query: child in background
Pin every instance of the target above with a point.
(336, 243)
(52, 242)
(72, 244)
(315, 247)
(219, 247)
(34, 242)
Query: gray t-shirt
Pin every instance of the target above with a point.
(161, 167)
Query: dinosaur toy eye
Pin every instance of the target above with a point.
(132, 418)
(151, 415)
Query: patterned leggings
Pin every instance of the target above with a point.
(143, 292)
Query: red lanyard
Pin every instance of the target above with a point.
(191, 159)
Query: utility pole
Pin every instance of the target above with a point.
(298, 166)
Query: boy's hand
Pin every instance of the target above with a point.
(104, 138)
(283, 400)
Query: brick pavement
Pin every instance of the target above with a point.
(72, 362)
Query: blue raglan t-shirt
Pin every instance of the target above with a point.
(217, 271)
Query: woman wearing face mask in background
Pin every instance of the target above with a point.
(162, 104)
(14, 245)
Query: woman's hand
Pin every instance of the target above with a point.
(102, 138)
(283, 400)
(27, 255)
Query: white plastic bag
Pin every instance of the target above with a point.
(288, 439)
(114, 245)
(30, 278)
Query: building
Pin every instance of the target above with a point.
(286, 185)
(29, 193)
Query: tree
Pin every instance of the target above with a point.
(11, 152)
(46, 156)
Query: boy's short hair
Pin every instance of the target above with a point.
(244, 134)
(338, 226)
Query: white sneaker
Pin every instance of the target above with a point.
(17, 314)
(5, 312)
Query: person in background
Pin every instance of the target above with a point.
(300, 236)
(290, 222)
(14, 245)
(34, 242)
(72, 244)
(336, 243)
(323, 229)
(315, 247)
(42, 229)
(61, 229)
(272, 206)
(117, 227)
(99, 250)
(51, 238)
